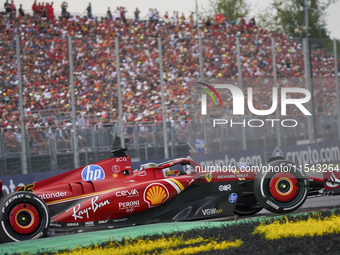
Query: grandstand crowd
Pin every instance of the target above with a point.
(45, 63)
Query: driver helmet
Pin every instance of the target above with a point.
(148, 165)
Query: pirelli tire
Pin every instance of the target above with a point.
(23, 216)
(282, 187)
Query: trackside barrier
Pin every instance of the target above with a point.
(305, 155)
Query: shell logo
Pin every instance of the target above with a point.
(155, 194)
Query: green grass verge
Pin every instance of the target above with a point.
(318, 233)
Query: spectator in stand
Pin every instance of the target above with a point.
(8, 8)
(17, 134)
(219, 18)
(253, 21)
(208, 23)
(156, 16)
(245, 20)
(89, 11)
(44, 10)
(50, 11)
(123, 11)
(150, 14)
(137, 15)
(166, 17)
(11, 142)
(40, 8)
(64, 13)
(182, 18)
(251, 24)
(174, 18)
(62, 142)
(191, 19)
(117, 14)
(13, 10)
(21, 12)
(35, 9)
(109, 14)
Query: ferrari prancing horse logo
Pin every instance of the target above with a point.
(208, 177)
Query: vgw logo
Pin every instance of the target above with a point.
(93, 173)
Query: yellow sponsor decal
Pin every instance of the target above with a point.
(28, 188)
(178, 184)
(155, 194)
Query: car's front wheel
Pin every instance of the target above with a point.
(23, 216)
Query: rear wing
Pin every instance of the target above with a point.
(332, 181)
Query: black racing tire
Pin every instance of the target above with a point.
(275, 158)
(23, 216)
(281, 188)
(246, 210)
(247, 205)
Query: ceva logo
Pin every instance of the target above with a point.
(93, 173)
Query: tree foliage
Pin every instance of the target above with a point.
(229, 8)
(288, 17)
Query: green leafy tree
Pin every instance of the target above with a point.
(288, 17)
(229, 8)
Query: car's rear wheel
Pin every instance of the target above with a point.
(23, 216)
(282, 187)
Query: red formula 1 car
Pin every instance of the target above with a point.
(110, 194)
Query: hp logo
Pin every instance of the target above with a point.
(232, 197)
(93, 173)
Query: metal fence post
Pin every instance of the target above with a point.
(310, 105)
(203, 96)
(146, 151)
(22, 115)
(275, 85)
(121, 127)
(73, 103)
(239, 67)
(336, 84)
(136, 139)
(172, 141)
(165, 138)
(240, 84)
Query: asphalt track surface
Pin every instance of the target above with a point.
(86, 239)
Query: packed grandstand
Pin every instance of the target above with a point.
(45, 64)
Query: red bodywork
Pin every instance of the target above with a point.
(110, 189)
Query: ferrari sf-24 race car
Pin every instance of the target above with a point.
(110, 194)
